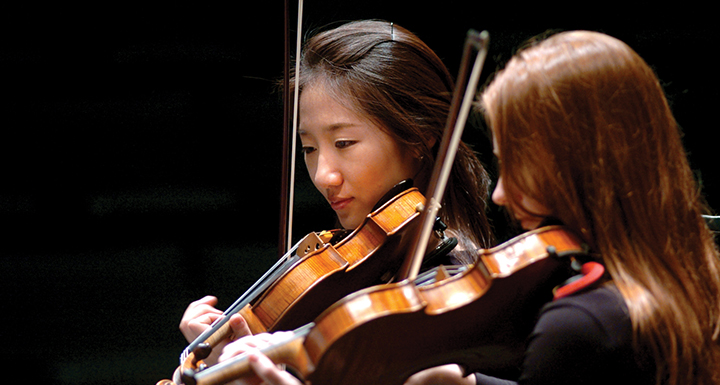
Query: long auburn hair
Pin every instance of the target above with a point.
(386, 73)
(582, 126)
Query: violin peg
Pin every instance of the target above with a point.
(201, 352)
(188, 377)
(552, 251)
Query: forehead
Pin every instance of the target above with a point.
(324, 110)
(341, 95)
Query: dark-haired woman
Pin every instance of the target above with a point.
(373, 104)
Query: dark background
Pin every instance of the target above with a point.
(140, 158)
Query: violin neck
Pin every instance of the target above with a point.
(290, 352)
(279, 268)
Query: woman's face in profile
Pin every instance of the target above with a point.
(526, 210)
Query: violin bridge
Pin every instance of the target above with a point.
(441, 274)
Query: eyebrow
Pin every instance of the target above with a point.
(331, 128)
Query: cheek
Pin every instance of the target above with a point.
(405, 164)
(375, 164)
(373, 177)
(534, 207)
(311, 168)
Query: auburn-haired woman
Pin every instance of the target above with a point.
(584, 137)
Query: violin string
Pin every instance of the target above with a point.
(428, 277)
(270, 276)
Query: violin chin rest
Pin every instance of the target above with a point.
(590, 273)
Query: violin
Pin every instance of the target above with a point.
(478, 318)
(419, 242)
(386, 333)
(326, 272)
(317, 273)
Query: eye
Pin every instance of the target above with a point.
(308, 150)
(344, 143)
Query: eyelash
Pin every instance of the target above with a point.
(344, 143)
(341, 144)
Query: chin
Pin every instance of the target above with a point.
(344, 223)
(349, 224)
(530, 224)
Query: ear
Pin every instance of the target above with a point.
(431, 142)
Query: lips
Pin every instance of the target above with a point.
(340, 203)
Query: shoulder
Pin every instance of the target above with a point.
(599, 314)
(581, 338)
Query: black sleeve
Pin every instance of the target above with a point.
(564, 348)
(577, 340)
(557, 349)
(482, 379)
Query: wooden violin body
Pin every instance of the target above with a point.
(329, 273)
(479, 319)
(325, 273)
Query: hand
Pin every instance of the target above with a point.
(264, 368)
(441, 375)
(252, 343)
(269, 372)
(198, 317)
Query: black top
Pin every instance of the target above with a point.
(581, 339)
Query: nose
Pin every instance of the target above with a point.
(327, 174)
(498, 195)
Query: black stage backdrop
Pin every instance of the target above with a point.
(140, 158)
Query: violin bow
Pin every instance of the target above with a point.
(287, 185)
(463, 97)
